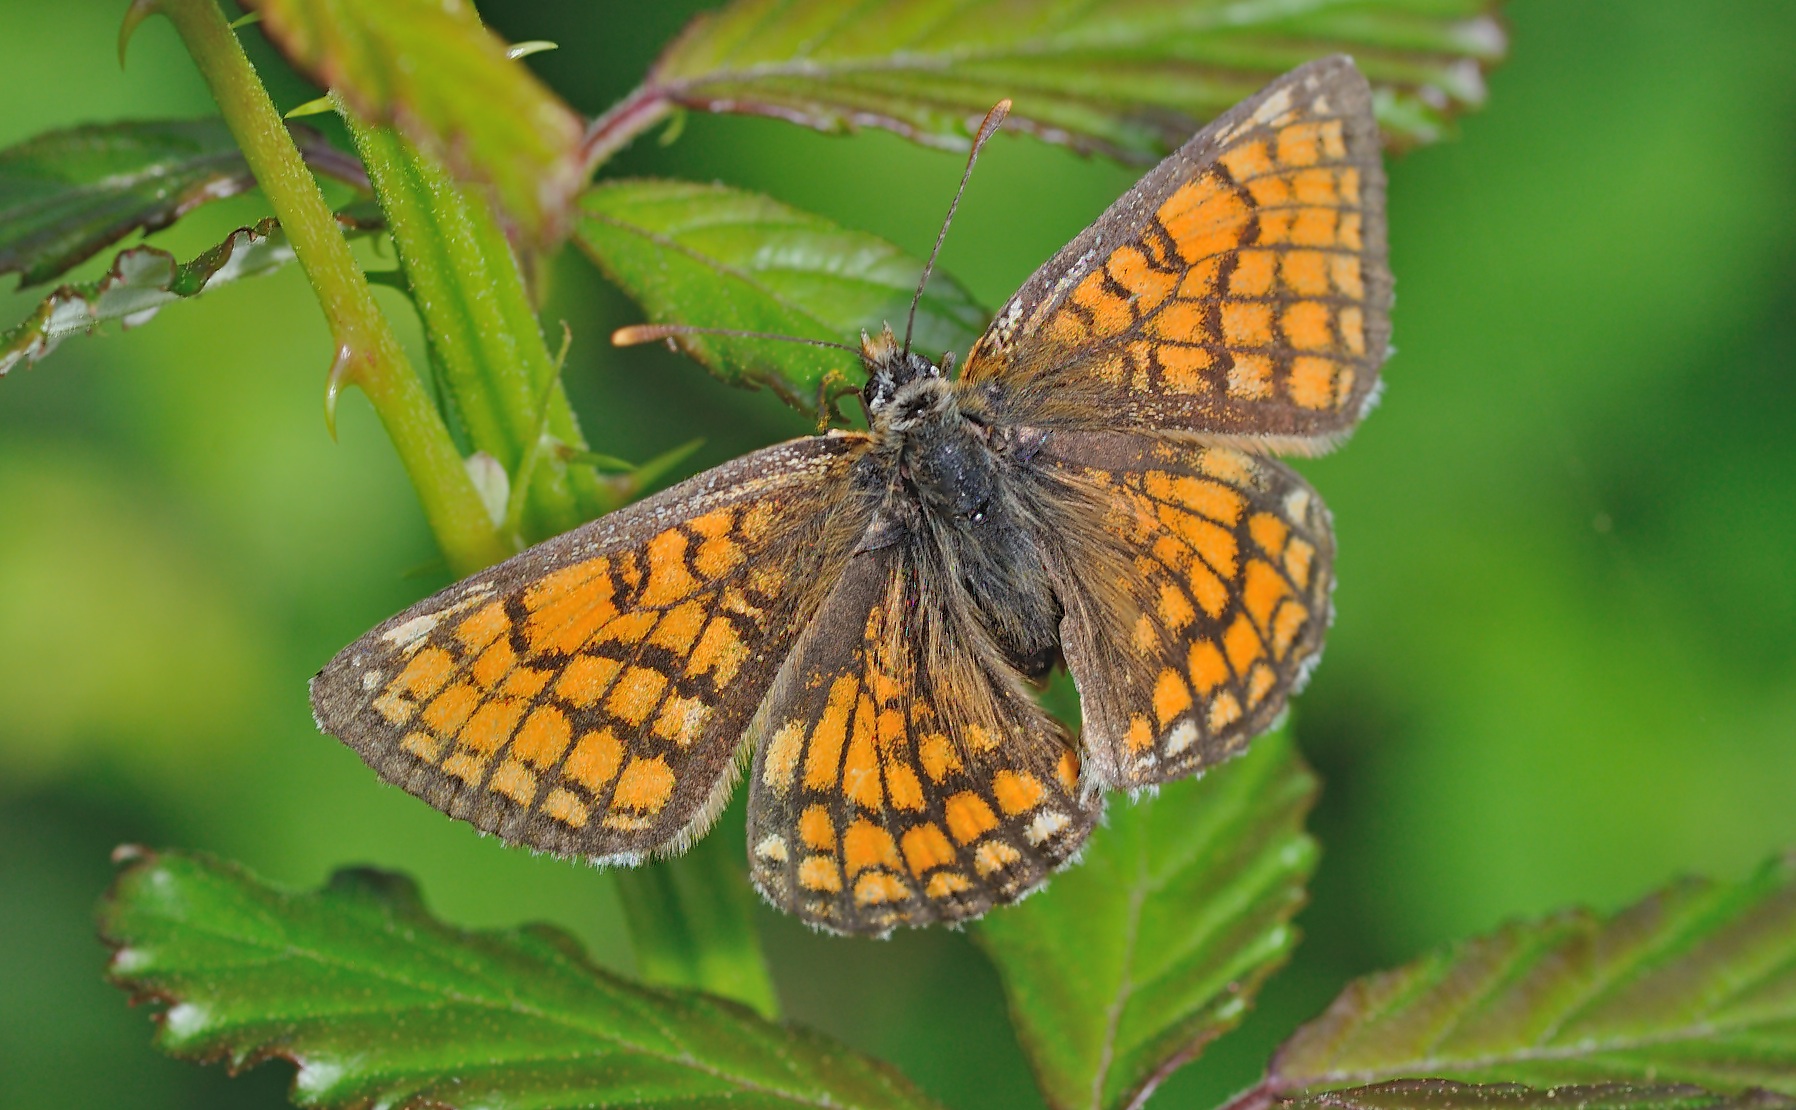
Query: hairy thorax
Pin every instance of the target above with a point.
(961, 494)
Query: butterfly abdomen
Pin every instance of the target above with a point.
(965, 500)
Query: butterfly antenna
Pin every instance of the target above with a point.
(986, 130)
(649, 333)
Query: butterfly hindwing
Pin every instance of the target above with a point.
(589, 696)
(1203, 612)
(1239, 290)
(903, 774)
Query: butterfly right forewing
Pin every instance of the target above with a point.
(1239, 290)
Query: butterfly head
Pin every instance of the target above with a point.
(897, 379)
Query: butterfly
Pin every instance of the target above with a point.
(862, 617)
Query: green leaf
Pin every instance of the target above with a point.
(379, 1004)
(1157, 941)
(1442, 1094)
(712, 256)
(67, 195)
(433, 69)
(1130, 80)
(140, 282)
(1695, 984)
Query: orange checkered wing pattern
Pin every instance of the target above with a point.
(1189, 633)
(904, 775)
(589, 697)
(1240, 289)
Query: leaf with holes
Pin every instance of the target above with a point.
(713, 256)
(1442, 1094)
(141, 281)
(446, 81)
(67, 195)
(1696, 984)
(1130, 80)
(380, 1004)
(1128, 964)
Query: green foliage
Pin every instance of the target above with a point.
(67, 195)
(713, 256)
(1691, 985)
(433, 70)
(380, 1004)
(141, 280)
(1157, 942)
(1131, 81)
(1129, 964)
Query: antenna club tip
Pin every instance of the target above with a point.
(636, 334)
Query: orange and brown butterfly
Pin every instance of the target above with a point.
(861, 616)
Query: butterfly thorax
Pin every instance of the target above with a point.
(960, 493)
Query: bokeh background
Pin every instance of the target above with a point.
(1563, 670)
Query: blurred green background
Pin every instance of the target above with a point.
(1563, 669)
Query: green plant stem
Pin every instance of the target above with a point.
(691, 924)
(622, 123)
(689, 919)
(468, 289)
(369, 354)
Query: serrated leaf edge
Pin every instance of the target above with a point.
(1719, 895)
(313, 1076)
(140, 281)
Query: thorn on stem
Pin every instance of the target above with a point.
(317, 107)
(491, 483)
(139, 11)
(567, 342)
(635, 334)
(342, 373)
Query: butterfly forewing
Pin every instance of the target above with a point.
(903, 774)
(589, 696)
(1187, 636)
(1240, 289)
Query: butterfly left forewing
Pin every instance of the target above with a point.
(1239, 290)
(904, 775)
(589, 696)
(1196, 584)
